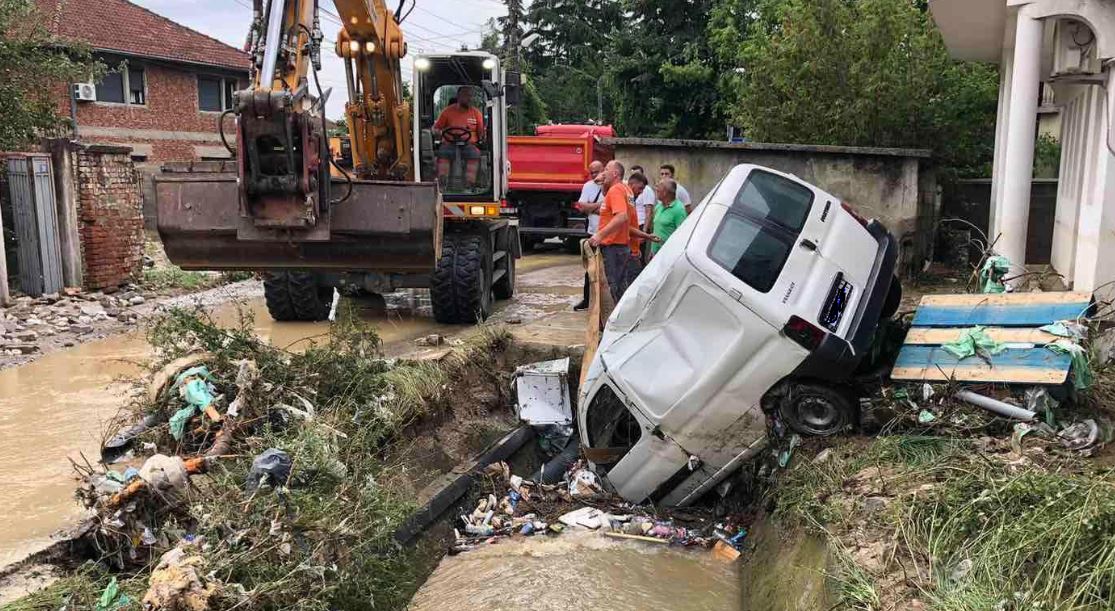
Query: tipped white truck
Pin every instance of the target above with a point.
(764, 300)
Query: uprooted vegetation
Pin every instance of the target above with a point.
(324, 537)
(966, 512)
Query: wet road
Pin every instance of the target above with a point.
(58, 407)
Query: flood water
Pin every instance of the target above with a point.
(580, 570)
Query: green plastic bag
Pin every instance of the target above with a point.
(971, 342)
(1081, 368)
(992, 273)
(111, 599)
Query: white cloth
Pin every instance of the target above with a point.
(646, 198)
(592, 193)
(683, 195)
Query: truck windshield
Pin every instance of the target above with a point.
(756, 236)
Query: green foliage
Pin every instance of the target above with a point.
(1047, 157)
(856, 72)
(35, 69)
(531, 110)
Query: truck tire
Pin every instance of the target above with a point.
(815, 409)
(461, 288)
(504, 288)
(296, 296)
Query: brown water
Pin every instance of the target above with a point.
(580, 571)
(57, 408)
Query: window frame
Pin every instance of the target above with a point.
(222, 83)
(126, 85)
(783, 233)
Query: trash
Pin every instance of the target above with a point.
(166, 475)
(1066, 328)
(725, 552)
(1039, 401)
(971, 342)
(822, 456)
(1080, 436)
(995, 405)
(583, 482)
(926, 417)
(195, 388)
(635, 537)
(1081, 369)
(176, 582)
(553, 438)
(587, 517)
(542, 389)
(271, 468)
(111, 598)
(785, 455)
(121, 442)
(926, 391)
(962, 569)
(992, 273)
(431, 340)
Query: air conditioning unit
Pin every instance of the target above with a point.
(1074, 49)
(85, 92)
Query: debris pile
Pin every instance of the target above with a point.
(73, 314)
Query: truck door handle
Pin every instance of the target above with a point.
(809, 244)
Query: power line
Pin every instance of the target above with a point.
(440, 18)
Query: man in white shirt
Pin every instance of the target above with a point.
(667, 171)
(592, 195)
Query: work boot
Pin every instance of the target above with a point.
(583, 305)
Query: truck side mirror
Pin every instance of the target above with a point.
(491, 90)
(513, 87)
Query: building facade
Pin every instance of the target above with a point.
(1067, 47)
(166, 86)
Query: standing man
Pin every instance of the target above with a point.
(592, 195)
(644, 204)
(459, 125)
(667, 171)
(669, 213)
(614, 235)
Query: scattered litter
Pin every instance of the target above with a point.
(430, 340)
(995, 405)
(1080, 436)
(992, 274)
(822, 456)
(542, 389)
(112, 598)
(1081, 369)
(271, 468)
(166, 475)
(1039, 401)
(583, 483)
(195, 388)
(971, 342)
(587, 517)
(1066, 328)
(785, 455)
(176, 583)
(926, 417)
(926, 391)
(725, 552)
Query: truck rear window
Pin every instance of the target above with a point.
(756, 236)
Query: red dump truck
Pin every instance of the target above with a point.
(547, 172)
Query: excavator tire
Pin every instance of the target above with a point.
(296, 296)
(461, 290)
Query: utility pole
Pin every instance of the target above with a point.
(512, 39)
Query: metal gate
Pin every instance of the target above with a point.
(31, 186)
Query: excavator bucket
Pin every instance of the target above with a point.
(383, 226)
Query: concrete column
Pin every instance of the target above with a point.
(65, 196)
(1013, 207)
(5, 296)
(1006, 64)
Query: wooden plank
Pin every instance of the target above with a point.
(1034, 315)
(1020, 335)
(1022, 366)
(1000, 299)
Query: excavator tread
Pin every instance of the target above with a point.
(294, 296)
(461, 288)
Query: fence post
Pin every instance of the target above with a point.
(5, 297)
(61, 153)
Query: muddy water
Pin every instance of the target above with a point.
(56, 408)
(580, 571)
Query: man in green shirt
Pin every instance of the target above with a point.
(666, 217)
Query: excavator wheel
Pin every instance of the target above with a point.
(461, 289)
(296, 296)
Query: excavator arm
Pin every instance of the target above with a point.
(284, 160)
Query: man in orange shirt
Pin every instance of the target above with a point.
(459, 126)
(618, 231)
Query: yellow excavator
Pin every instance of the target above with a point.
(287, 206)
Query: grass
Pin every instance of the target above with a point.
(79, 590)
(176, 278)
(325, 540)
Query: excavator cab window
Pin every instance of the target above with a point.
(460, 149)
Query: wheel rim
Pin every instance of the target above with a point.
(817, 415)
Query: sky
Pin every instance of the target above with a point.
(433, 26)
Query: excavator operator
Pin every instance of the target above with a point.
(460, 126)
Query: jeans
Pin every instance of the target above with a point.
(616, 259)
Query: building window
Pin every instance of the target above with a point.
(131, 80)
(214, 94)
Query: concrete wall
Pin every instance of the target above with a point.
(970, 200)
(896, 186)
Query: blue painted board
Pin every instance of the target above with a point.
(1031, 315)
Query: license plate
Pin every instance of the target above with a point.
(837, 302)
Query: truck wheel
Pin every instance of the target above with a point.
(461, 290)
(504, 288)
(296, 296)
(815, 409)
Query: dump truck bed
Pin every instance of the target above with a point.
(384, 226)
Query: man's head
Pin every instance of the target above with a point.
(637, 169)
(464, 96)
(666, 190)
(666, 171)
(637, 181)
(613, 173)
(595, 171)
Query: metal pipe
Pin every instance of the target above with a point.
(348, 80)
(272, 42)
(995, 405)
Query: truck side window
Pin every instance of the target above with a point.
(756, 236)
(612, 428)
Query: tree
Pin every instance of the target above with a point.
(35, 68)
(856, 72)
(531, 110)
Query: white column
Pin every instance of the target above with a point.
(1013, 207)
(1006, 64)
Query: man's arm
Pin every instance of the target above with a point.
(617, 224)
(642, 235)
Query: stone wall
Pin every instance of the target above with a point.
(896, 186)
(110, 215)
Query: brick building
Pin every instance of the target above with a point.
(168, 83)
